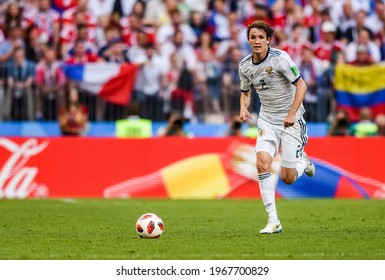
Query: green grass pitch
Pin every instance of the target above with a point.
(194, 229)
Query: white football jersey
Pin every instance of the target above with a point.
(273, 78)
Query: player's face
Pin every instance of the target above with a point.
(258, 41)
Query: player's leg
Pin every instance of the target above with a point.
(294, 160)
(266, 149)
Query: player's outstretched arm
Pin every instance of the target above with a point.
(244, 114)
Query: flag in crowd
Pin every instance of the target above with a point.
(358, 87)
(112, 82)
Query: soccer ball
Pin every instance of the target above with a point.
(149, 225)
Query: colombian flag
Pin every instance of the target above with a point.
(358, 87)
(112, 82)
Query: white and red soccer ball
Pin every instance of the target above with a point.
(149, 225)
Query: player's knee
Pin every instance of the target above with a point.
(287, 179)
(263, 167)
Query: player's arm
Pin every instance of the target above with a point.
(244, 113)
(298, 98)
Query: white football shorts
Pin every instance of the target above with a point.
(290, 142)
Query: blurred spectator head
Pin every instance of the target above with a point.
(307, 54)
(82, 5)
(150, 49)
(142, 38)
(133, 109)
(135, 22)
(49, 55)
(178, 38)
(82, 32)
(15, 33)
(380, 122)
(363, 57)
(365, 114)
(290, 6)
(175, 125)
(347, 9)
(262, 12)
(72, 96)
(379, 7)
(360, 18)
(235, 128)
(176, 18)
(111, 33)
(328, 29)
(219, 6)
(341, 124)
(44, 5)
(80, 48)
(297, 32)
(80, 17)
(116, 46)
(363, 36)
(235, 54)
(138, 9)
(19, 55)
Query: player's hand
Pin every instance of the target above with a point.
(245, 115)
(289, 121)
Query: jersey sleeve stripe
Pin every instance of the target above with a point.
(296, 80)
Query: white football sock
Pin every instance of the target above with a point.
(267, 189)
(301, 166)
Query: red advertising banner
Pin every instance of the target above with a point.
(180, 168)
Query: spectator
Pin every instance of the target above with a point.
(230, 82)
(174, 126)
(47, 21)
(149, 84)
(166, 31)
(73, 116)
(351, 33)
(208, 75)
(78, 26)
(19, 99)
(309, 67)
(170, 83)
(235, 127)
(34, 46)
(341, 124)
(363, 38)
(329, 49)
(296, 42)
(50, 82)
(376, 20)
(218, 21)
(198, 23)
(13, 18)
(80, 54)
(380, 122)
(363, 58)
(365, 126)
(6, 51)
(133, 126)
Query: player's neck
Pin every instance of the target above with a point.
(258, 57)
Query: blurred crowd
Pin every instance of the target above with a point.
(188, 52)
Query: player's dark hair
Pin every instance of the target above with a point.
(261, 25)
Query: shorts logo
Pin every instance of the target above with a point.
(261, 132)
(269, 70)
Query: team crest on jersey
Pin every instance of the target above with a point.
(261, 132)
(269, 70)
